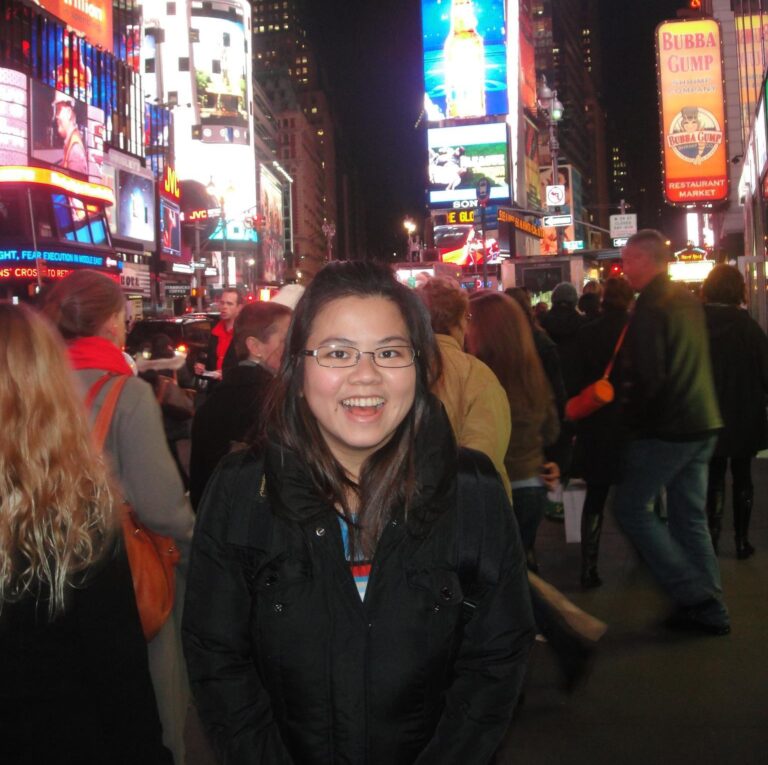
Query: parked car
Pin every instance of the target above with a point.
(189, 334)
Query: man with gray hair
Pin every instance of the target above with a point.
(671, 418)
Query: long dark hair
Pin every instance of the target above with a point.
(387, 478)
(500, 335)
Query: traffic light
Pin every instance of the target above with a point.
(615, 269)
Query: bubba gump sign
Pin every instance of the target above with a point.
(692, 111)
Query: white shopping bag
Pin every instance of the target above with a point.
(573, 502)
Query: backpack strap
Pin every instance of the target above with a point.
(104, 417)
(469, 532)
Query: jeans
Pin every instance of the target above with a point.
(529, 503)
(679, 552)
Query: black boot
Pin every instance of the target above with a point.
(591, 526)
(715, 504)
(742, 511)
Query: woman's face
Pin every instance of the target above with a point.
(358, 408)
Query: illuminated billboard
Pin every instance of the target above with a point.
(751, 32)
(135, 207)
(170, 231)
(221, 70)
(93, 18)
(527, 58)
(14, 146)
(271, 210)
(692, 107)
(465, 58)
(66, 132)
(460, 156)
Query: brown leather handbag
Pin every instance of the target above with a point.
(152, 557)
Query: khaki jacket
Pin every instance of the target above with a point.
(476, 404)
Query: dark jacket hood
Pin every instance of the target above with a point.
(562, 322)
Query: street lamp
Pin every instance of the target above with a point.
(329, 229)
(410, 227)
(553, 111)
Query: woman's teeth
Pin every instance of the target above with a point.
(370, 401)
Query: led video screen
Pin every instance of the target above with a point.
(66, 132)
(170, 230)
(460, 156)
(465, 58)
(135, 207)
(271, 202)
(221, 64)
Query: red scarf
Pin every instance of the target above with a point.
(97, 353)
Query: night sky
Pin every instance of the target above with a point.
(372, 54)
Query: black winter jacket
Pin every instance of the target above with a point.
(289, 665)
(667, 387)
(598, 436)
(739, 350)
(232, 409)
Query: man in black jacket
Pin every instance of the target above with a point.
(671, 417)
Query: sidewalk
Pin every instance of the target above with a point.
(654, 696)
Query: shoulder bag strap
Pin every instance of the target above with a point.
(609, 367)
(95, 389)
(104, 417)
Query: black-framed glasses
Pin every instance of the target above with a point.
(340, 356)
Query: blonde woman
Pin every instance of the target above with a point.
(74, 679)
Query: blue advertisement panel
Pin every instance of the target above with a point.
(465, 58)
(461, 156)
(135, 207)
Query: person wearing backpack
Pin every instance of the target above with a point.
(357, 588)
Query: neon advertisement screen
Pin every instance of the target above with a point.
(66, 132)
(465, 58)
(461, 156)
(135, 207)
(221, 67)
(692, 107)
(271, 204)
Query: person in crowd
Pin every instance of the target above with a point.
(500, 336)
(163, 370)
(562, 324)
(739, 350)
(597, 436)
(589, 305)
(221, 355)
(540, 310)
(545, 347)
(234, 408)
(671, 419)
(89, 310)
(74, 679)
(298, 650)
(476, 404)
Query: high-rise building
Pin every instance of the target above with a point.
(567, 55)
(284, 52)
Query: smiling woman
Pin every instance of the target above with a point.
(337, 610)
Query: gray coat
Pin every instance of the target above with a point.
(142, 463)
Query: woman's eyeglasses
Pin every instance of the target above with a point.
(340, 356)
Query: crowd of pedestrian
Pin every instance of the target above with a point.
(365, 472)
